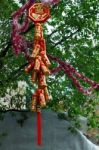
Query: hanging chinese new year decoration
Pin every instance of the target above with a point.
(39, 13)
(38, 61)
(39, 65)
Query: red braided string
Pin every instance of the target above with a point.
(39, 132)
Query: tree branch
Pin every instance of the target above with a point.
(14, 74)
(3, 53)
(65, 38)
(9, 44)
(14, 110)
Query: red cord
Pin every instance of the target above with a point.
(39, 133)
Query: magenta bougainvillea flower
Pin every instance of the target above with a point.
(50, 2)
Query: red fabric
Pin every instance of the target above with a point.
(39, 132)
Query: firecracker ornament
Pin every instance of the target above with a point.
(39, 65)
(39, 13)
(39, 60)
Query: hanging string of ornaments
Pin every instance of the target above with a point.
(39, 61)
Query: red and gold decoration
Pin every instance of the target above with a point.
(39, 13)
(39, 65)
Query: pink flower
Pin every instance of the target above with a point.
(50, 2)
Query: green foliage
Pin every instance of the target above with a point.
(72, 35)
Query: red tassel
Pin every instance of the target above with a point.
(39, 133)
